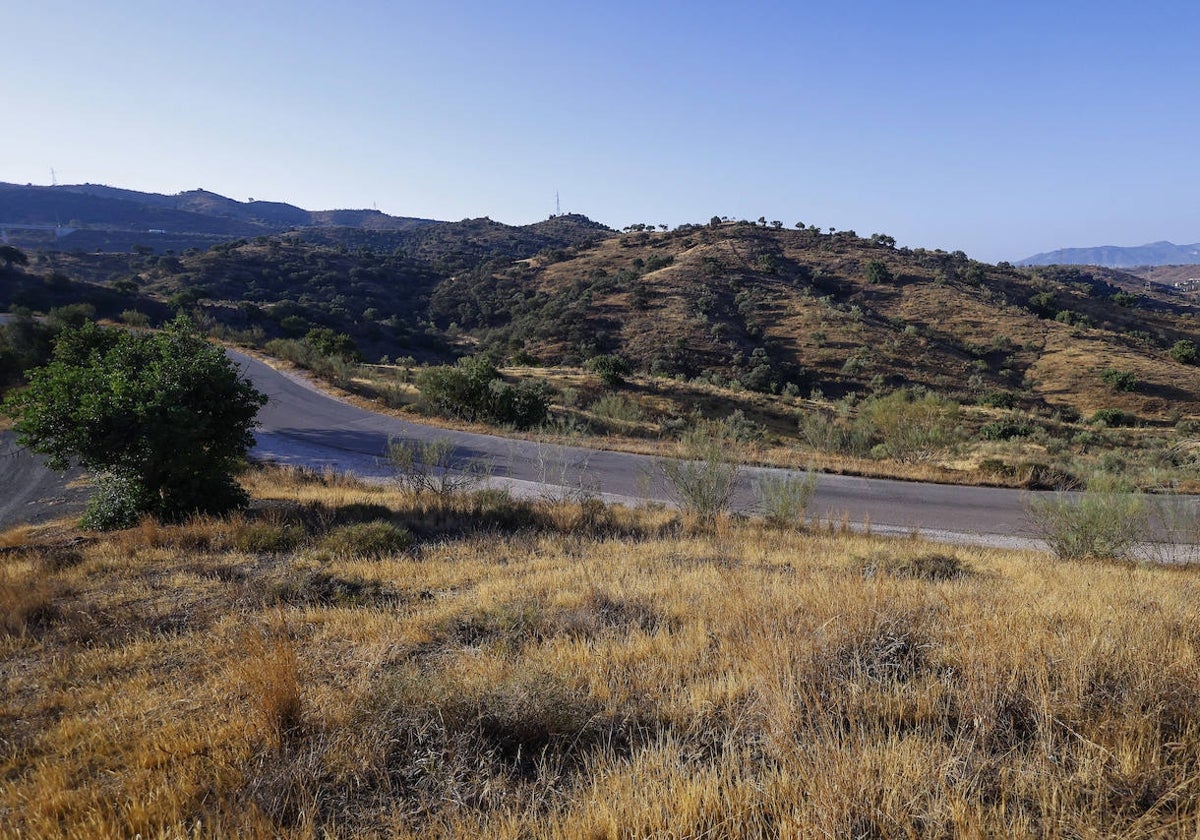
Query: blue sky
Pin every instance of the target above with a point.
(998, 128)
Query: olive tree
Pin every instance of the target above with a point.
(163, 419)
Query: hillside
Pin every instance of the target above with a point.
(760, 308)
(772, 309)
(1114, 256)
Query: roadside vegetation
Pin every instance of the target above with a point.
(352, 660)
(827, 348)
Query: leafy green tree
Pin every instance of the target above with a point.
(24, 344)
(163, 418)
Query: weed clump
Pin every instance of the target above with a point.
(931, 566)
(366, 540)
(26, 602)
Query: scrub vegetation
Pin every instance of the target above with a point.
(350, 660)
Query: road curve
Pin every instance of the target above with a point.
(302, 425)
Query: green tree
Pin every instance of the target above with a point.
(164, 419)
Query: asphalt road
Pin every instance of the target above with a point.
(30, 493)
(302, 425)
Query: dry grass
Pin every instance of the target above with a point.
(523, 679)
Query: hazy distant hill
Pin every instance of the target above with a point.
(110, 218)
(1113, 256)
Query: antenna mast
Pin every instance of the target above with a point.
(557, 204)
(53, 178)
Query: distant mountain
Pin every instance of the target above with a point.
(95, 216)
(1113, 256)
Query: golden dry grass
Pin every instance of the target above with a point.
(568, 674)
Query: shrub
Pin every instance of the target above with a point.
(259, 537)
(1102, 522)
(473, 390)
(878, 272)
(703, 479)
(366, 540)
(912, 428)
(1112, 417)
(1004, 430)
(617, 408)
(134, 318)
(833, 434)
(1185, 352)
(784, 497)
(930, 566)
(611, 369)
(26, 602)
(999, 399)
(432, 465)
(1119, 380)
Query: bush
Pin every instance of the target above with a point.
(432, 466)
(833, 434)
(1004, 430)
(1119, 380)
(931, 566)
(878, 272)
(473, 390)
(612, 370)
(703, 479)
(1185, 352)
(366, 540)
(999, 399)
(614, 407)
(784, 498)
(1102, 522)
(1113, 417)
(912, 428)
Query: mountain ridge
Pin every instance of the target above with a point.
(1118, 256)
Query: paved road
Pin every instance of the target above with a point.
(30, 493)
(302, 425)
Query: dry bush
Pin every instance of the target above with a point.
(370, 540)
(1104, 522)
(925, 565)
(16, 537)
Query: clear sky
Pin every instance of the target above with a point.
(999, 128)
